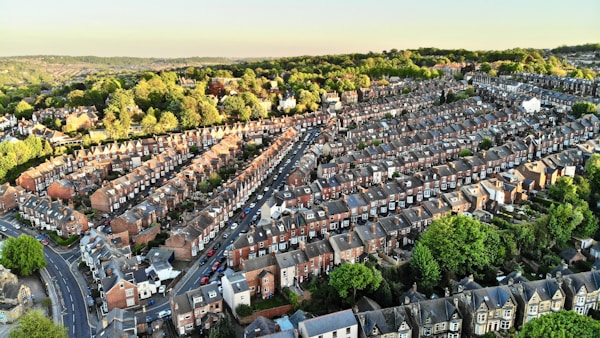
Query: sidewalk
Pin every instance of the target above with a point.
(56, 307)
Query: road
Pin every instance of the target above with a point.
(192, 278)
(74, 309)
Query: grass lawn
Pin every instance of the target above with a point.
(275, 301)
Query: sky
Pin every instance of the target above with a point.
(275, 28)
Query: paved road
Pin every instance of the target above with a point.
(74, 310)
(192, 278)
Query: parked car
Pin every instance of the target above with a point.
(225, 235)
(252, 205)
(203, 261)
(234, 226)
(204, 281)
(211, 253)
(216, 266)
(260, 196)
(216, 246)
(3, 228)
(164, 313)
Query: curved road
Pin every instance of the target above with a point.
(192, 278)
(72, 303)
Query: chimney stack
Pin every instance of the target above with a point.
(349, 237)
(374, 228)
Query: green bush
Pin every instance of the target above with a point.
(62, 241)
(243, 310)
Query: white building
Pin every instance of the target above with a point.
(337, 324)
(532, 105)
(235, 290)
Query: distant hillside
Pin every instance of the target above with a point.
(19, 70)
(588, 47)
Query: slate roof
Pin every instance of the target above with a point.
(329, 323)
(388, 320)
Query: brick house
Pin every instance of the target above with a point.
(9, 197)
(198, 308)
(261, 273)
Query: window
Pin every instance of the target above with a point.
(129, 293)
(261, 245)
(505, 325)
(347, 330)
(533, 308)
(266, 289)
(266, 280)
(481, 317)
(507, 313)
(427, 331)
(454, 326)
(334, 334)
(188, 316)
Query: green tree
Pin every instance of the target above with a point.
(189, 119)
(582, 108)
(167, 122)
(425, 268)
(583, 188)
(564, 190)
(23, 110)
(210, 114)
(243, 310)
(34, 324)
(148, 123)
(224, 328)
(23, 254)
(351, 277)
(233, 106)
(462, 244)
(561, 324)
(558, 225)
(465, 152)
(485, 144)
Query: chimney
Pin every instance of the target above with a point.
(446, 292)
(414, 287)
(257, 332)
(406, 300)
(471, 278)
(455, 300)
(349, 237)
(374, 228)
(397, 220)
(511, 281)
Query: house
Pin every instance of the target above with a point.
(116, 292)
(198, 308)
(439, 317)
(264, 327)
(595, 250)
(386, 322)
(46, 214)
(319, 255)
(537, 298)
(15, 297)
(260, 275)
(572, 256)
(489, 309)
(337, 324)
(582, 291)
(235, 291)
(292, 268)
(346, 247)
(9, 197)
(118, 323)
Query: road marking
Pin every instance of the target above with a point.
(60, 273)
(50, 259)
(73, 308)
(71, 297)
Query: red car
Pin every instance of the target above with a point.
(211, 252)
(204, 281)
(216, 266)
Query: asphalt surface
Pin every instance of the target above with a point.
(193, 276)
(74, 311)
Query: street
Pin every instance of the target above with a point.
(73, 307)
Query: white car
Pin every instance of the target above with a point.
(252, 205)
(266, 189)
(164, 313)
(234, 226)
(3, 228)
(17, 226)
(260, 196)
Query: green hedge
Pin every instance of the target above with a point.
(61, 241)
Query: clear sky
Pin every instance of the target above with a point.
(250, 28)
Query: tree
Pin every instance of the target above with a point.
(561, 324)
(34, 324)
(243, 310)
(465, 152)
(23, 110)
(167, 121)
(148, 123)
(485, 144)
(558, 225)
(564, 190)
(210, 114)
(189, 119)
(462, 244)
(23, 254)
(352, 277)
(233, 106)
(582, 108)
(425, 268)
(224, 328)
